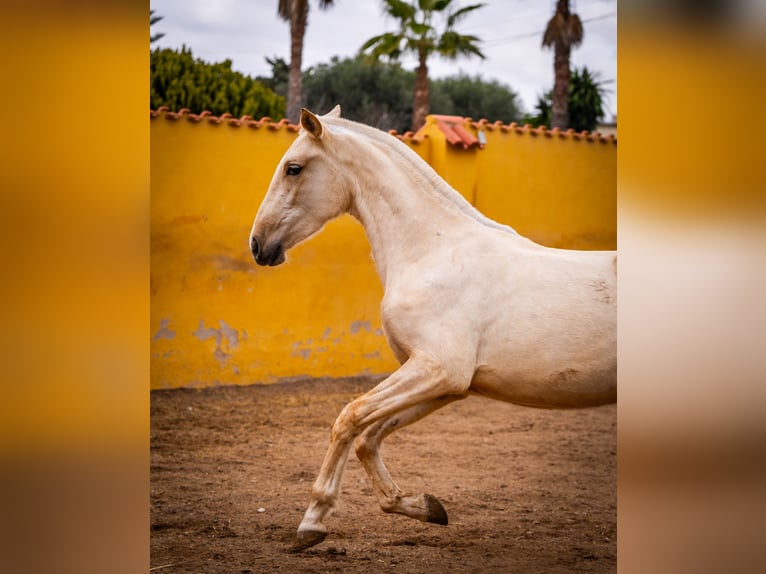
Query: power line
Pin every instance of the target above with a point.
(517, 37)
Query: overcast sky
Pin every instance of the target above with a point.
(247, 31)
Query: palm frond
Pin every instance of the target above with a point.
(451, 45)
(564, 29)
(576, 30)
(387, 45)
(419, 29)
(462, 13)
(154, 19)
(284, 8)
(399, 9)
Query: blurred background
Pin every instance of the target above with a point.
(492, 60)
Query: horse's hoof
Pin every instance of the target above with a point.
(436, 512)
(307, 539)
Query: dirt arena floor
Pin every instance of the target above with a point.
(526, 490)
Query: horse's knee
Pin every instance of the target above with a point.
(346, 426)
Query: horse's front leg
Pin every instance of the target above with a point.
(423, 507)
(419, 380)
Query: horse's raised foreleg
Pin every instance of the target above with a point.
(424, 507)
(419, 380)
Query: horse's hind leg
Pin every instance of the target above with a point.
(424, 507)
(419, 380)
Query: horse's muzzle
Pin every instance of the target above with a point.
(270, 255)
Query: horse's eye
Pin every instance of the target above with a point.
(293, 169)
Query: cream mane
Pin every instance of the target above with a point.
(339, 125)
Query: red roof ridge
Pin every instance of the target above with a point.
(527, 129)
(226, 118)
(450, 118)
(453, 128)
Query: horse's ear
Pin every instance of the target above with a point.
(311, 123)
(334, 113)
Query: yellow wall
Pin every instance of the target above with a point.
(558, 191)
(217, 318)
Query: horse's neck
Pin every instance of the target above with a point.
(405, 208)
(401, 201)
(402, 154)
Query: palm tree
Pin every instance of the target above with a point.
(564, 30)
(418, 33)
(296, 12)
(585, 106)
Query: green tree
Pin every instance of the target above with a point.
(426, 27)
(542, 117)
(473, 97)
(374, 93)
(178, 81)
(280, 71)
(296, 13)
(380, 93)
(564, 30)
(586, 102)
(152, 21)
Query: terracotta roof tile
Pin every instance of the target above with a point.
(454, 128)
(408, 137)
(226, 118)
(466, 137)
(453, 135)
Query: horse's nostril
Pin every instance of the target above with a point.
(254, 247)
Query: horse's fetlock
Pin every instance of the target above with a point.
(321, 497)
(390, 504)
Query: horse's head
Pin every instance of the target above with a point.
(305, 192)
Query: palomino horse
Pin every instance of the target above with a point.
(470, 306)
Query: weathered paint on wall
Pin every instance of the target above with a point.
(217, 318)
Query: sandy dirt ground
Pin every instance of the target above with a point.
(526, 490)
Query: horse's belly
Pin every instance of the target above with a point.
(564, 387)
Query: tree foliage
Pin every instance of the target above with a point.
(426, 28)
(373, 93)
(586, 102)
(380, 94)
(543, 111)
(280, 72)
(473, 97)
(177, 80)
(586, 99)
